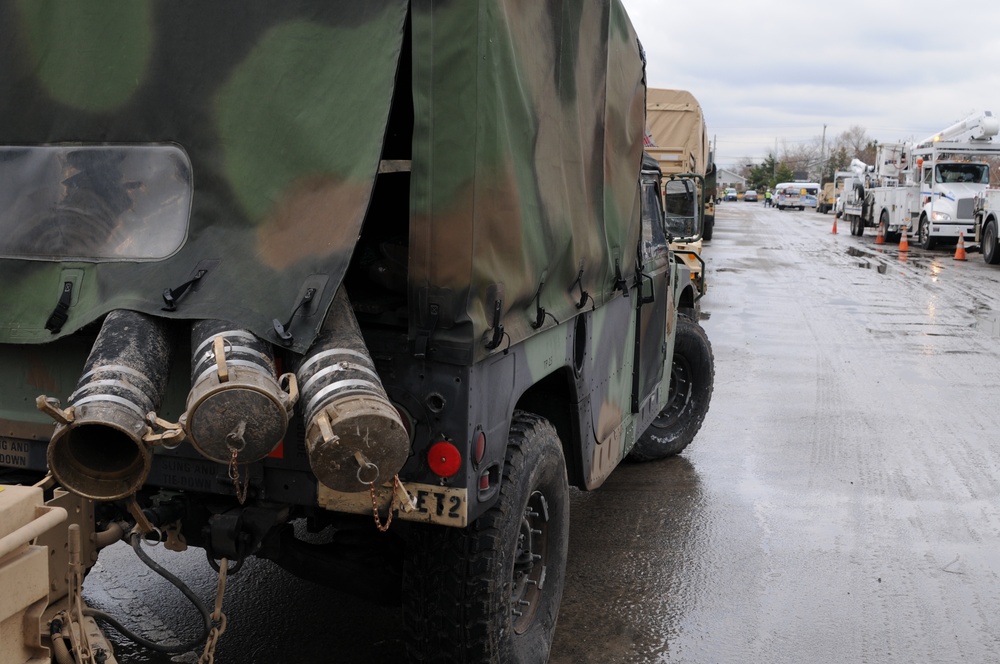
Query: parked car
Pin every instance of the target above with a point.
(750, 195)
(730, 194)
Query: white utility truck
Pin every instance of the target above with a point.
(851, 200)
(927, 188)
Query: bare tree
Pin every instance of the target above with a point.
(857, 143)
(744, 166)
(994, 163)
(803, 158)
(814, 159)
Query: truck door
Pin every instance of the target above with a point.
(653, 297)
(925, 200)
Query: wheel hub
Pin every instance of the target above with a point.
(530, 558)
(678, 396)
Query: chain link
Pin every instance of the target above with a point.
(219, 620)
(234, 475)
(388, 520)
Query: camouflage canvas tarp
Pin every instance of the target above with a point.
(268, 121)
(528, 180)
(280, 109)
(677, 125)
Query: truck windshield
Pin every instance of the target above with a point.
(680, 208)
(94, 203)
(964, 172)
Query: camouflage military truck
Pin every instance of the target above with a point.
(395, 270)
(677, 126)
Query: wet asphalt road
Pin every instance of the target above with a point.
(839, 504)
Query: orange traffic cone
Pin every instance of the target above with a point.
(834, 231)
(880, 237)
(904, 244)
(960, 249)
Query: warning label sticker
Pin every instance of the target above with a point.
(14, 453)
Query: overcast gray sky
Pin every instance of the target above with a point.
(778, 70)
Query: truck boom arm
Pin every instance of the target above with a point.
(976, 127)
(859, 167)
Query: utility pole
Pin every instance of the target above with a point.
(774, 161)
(822, 154)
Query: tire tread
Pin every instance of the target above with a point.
(449, 596)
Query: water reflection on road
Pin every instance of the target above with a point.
(839, 504)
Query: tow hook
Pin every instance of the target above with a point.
(226, 537)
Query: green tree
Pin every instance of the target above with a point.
(760, 176)
(784, 173)
(838, 160)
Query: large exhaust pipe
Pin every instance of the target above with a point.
(354, 436)
(237, 411)
(98, 451)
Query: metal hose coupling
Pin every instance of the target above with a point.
(354, 436)
(97, 450)
(238, 408)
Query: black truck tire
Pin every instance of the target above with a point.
(886, 235)
(692, 380)
(924, 239)
(706, 233)
(991, 248)
(491, 592)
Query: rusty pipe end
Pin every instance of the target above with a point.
(356, 424)
(101, 454)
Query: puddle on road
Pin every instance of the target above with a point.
(880, 268)
(989, 323)
(918, 262)
(859, 253)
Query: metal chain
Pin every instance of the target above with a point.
(234, 475)
(388, 520)
(219, 621)
(83, 652)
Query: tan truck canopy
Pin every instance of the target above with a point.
(677, 125)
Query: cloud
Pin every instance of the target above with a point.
(777, 71)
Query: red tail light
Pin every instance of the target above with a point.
(444, 459)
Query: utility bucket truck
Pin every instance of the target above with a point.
(393, 272)
(928, 188)
(851, 200)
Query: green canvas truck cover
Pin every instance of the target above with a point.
(208, 160)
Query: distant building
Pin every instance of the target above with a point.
(729, 179)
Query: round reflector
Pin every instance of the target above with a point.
(444, 459)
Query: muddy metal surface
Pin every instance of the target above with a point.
(839, 505)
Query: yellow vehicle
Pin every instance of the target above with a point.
(831, 192)
(677, 127)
